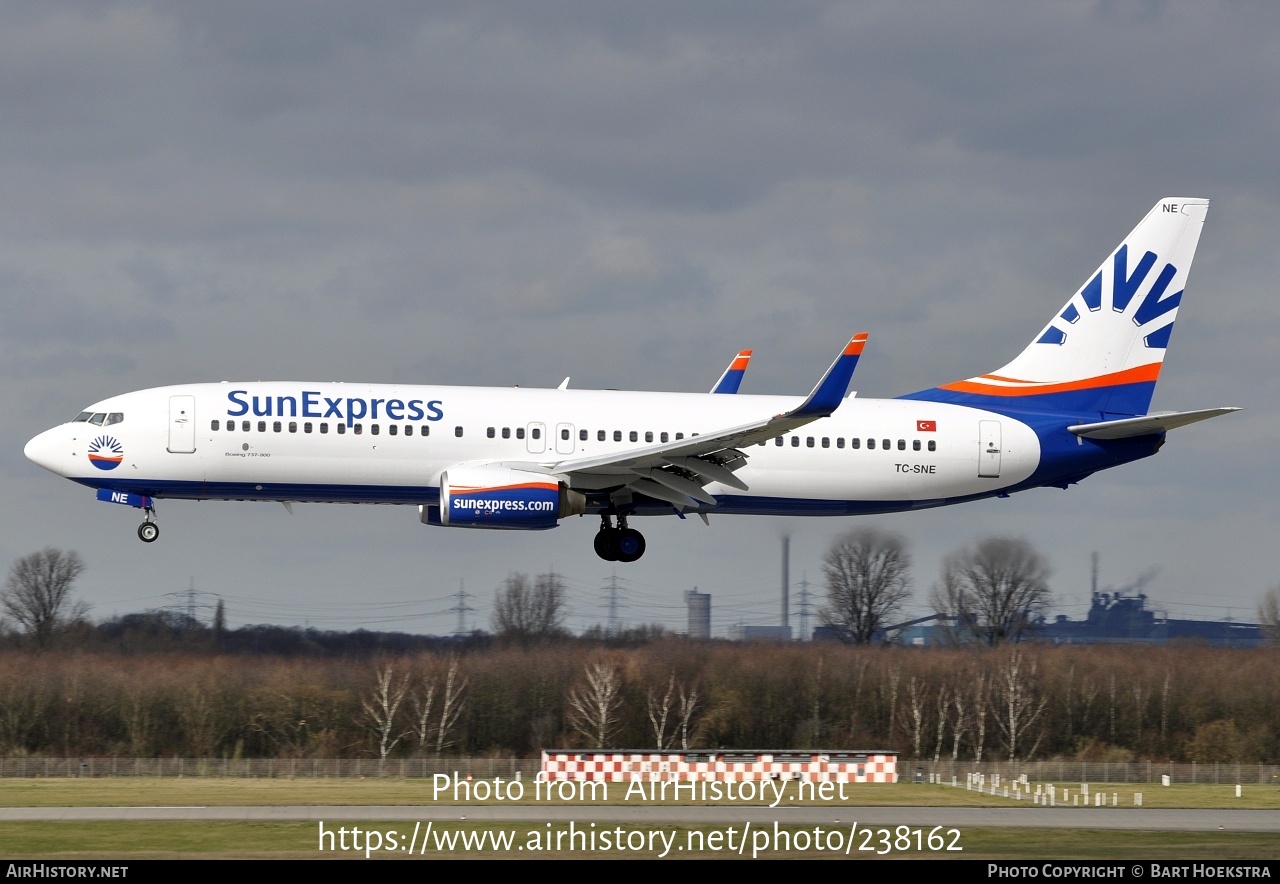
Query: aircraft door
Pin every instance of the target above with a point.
(182, 424)
(564, 439)
(536, 437)
(989, 449)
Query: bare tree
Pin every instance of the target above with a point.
(868, 579)
(434, 729)
(37, 593)
(452, 700)
(593, 710)
(1018, 704)
(659, 711)
(941, 705)
(1269, 613)
(688, 708)
(917, 712)
(530, 612)
(980, 705)
(381, 707)
(995, 591)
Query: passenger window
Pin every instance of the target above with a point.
(826, 443)
(600, 435)
(262, 426)
(306, 428)
(664, 437)
(97, 419)
(506, 432)
(855, 443)
(342, 428)
(392, 429)
(915, 444)
(491, 433)
(535, 433)
(582, 435)
(408, 429)
(871, 444)
(519, 432)
(635, 437)
(114, 418)
(424, 430)
(778, 441)
(244, 427)
(231, 426)
(457, 431)
(214, 425)
(933, 446)
(293, 426)
(809, 441)
(564, 434)
(679, 436)
(275, 426)
(324, 427)
(648, 435)
(358, 429)
(795, 441)
(617, 435)
(902, 444)
(840, 442)
(884, 443)
(373, 429)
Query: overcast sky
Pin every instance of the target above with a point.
(492, 193)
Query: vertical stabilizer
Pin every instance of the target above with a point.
(1102, 352)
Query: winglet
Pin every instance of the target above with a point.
(831, 390)
(732, 377)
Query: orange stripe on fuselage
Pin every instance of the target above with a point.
(1138, 375)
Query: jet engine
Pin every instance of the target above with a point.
(498, 497)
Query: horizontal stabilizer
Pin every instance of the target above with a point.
(1146, 426)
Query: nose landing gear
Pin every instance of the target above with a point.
(148, 531)
(620, 544)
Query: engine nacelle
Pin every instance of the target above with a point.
(497, 497)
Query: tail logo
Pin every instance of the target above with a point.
(106, 452)
(1154, 313)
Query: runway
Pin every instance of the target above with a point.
(1165, 820)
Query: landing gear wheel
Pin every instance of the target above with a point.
(148, 532)
(606, 544)
(630, 545)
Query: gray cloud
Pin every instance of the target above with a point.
(626, 195)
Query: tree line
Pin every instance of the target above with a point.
(158, 684)
(1113, 703)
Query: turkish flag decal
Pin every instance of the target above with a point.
(926, 426)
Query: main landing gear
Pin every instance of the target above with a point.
(148, 531)
(621, 544)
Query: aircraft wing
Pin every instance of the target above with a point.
(1146, 426)
(677, 471)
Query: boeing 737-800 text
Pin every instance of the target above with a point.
(1073, 402)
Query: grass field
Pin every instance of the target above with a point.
(288, 839)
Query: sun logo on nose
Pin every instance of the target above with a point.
(106, 452)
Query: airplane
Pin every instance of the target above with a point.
(1073, 402)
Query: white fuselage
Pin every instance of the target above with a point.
(390, 444)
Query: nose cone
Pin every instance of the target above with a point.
(49, 450)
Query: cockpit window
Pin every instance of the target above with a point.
(114, 417)
(97, 419)
(82, 417)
